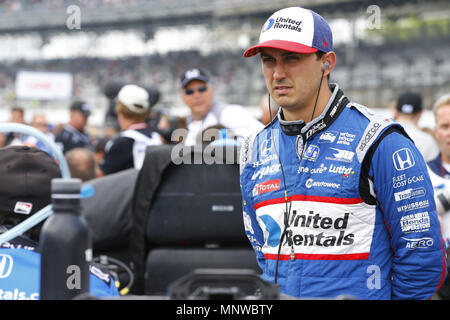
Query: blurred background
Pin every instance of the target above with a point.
(53, 51)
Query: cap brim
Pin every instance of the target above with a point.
(200, 78)
(280, 44)
(84, 113)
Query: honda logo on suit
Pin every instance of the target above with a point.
(6, 264)
(403, 159)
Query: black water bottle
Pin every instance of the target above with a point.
(65, 245)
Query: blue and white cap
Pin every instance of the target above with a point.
(294, 29)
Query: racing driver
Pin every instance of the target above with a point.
(336, 198)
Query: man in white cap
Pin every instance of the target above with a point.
(128, 149)
(336, 198)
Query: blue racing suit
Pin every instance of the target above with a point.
(343, 205)
(20, 273)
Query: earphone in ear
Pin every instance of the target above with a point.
(326, 65)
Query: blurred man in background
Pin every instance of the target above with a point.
(73, 133)
(17, 115)
(440, 165)
(128, 149)
(439, 168)
(81, 163)
(198, 94)
(39, 122)
(408, 111)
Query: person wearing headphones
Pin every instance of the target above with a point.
(336, 198)
(25, 188)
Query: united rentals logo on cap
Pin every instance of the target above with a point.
(269, 23)
(294, 29)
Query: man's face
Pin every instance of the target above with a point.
(198, 96)
(442, 129)
(77, 120)
(17, 116)
(291, 78)
(40, 123)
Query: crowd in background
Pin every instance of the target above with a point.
(142, 93)
(85, 156)
(376, 77)
(18, 5)
(90, 154)
(235, 78)
(85, 149)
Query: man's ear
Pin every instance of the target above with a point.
(330, 60)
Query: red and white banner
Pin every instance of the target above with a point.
(32, 85)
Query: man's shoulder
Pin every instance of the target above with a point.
(119, 143)
(421, 135)
(148, 132)
(68, 132)
(435, 164)
(355, 108)
(63, 133)
(251, 142)
(373, 124)
(219, 108)
(231, 107)
(144, 135)
(21, 242)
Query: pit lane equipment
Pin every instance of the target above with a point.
(65, 173)
(65, 245)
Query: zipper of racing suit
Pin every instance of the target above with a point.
(336, 106)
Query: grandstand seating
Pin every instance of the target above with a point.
(240, 80)
(375, 73)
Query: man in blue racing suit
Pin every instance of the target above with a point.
(25, 179)
(336, 199)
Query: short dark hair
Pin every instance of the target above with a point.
(17, 108)
(81, 163)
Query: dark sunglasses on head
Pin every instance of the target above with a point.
(199, 89)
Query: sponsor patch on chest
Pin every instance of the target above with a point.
(327, 229)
